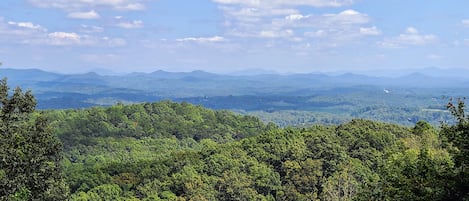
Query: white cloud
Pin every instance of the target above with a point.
(28, 25)
(28, 33)
(91, 29)
(372, 31)
(113, 42)
(465, 22)
(254, 19)
(73, 5)
(347, 17)
(74, 39)
(130, 25)
(276, 34)
(63, 38)
(244, 13)
(202, 39)
(416, 39)
(295, 17)
(84, 15)
(131, 6)
(15, 31)
(411, 30)
(342, 26)
(279, 3)
(410, 37)
(283, 19)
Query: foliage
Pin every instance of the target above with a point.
(457, 139)
(156, 120)
(29, 152)
(360, 159)
(178, 151)
(357, 160)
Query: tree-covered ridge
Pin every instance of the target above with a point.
(359, 160)
(178, 151)
(156, 120)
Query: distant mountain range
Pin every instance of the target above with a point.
(55, 90)
(429, 71)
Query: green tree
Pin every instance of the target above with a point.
(457, 137)
(105, 192)
(29, 152)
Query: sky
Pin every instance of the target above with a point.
(223, 36)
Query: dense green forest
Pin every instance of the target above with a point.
(179, 151)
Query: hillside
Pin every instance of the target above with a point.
(172, 151)
(152, 120)
(179, 151)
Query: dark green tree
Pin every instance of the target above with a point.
(457, 137)
(29, 152)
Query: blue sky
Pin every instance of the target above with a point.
(75, 36)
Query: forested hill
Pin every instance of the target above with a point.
(178, 151)
(163, 119)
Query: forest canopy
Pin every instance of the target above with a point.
(178, 151)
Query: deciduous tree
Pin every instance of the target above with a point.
(29, 152)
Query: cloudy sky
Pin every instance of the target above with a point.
(233, 35)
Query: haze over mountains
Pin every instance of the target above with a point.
(84, 90)
(428, 75)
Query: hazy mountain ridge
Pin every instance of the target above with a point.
(432, 77)
(347, 95)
